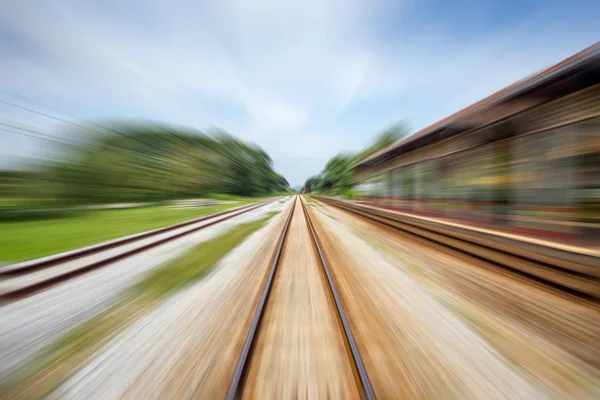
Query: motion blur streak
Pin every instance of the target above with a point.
(524, 160)
(146, 253)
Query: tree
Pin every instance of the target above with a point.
(386, 138)
(127, 161)
(338, 175)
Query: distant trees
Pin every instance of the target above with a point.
(338, 175)
(146, 162)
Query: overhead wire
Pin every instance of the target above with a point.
(89, 128)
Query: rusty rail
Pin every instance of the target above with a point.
(24, 269)
(236, 386)
(580, 280)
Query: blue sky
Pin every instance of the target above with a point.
(303, 79)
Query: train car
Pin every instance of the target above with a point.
(524, 160)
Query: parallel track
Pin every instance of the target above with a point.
(569, 281)
(236, 386)
(49, 266)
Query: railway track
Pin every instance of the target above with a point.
(248, 362)
(572, 274)
(24, 279)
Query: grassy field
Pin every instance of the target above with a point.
(25, 240)
(196, 263)
(60, 358)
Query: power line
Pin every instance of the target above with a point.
(37, 135)
(50, 116)
(29, 130)
(45, 136)
(90, 129)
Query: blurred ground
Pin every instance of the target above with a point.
(444, 322)
(31, 325)
(428, 323)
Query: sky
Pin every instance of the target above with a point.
(302, 79)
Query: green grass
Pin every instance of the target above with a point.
(55, 363)
(196, 263)
(25, 240)
(228, 197)
(22, 202)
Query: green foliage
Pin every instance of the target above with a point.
(386, 138)
(135, 162)
(349, 194)
(226, 197)
(338, 175)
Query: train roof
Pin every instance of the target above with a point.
(572, 74)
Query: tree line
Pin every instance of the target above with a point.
(338, 175)
(128, 161)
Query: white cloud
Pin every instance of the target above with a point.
(274, 72)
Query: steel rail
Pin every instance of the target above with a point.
(570, 282)
(237, 383)
(241, 369)
(366, 386)
(42, 263)
(37, 286)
